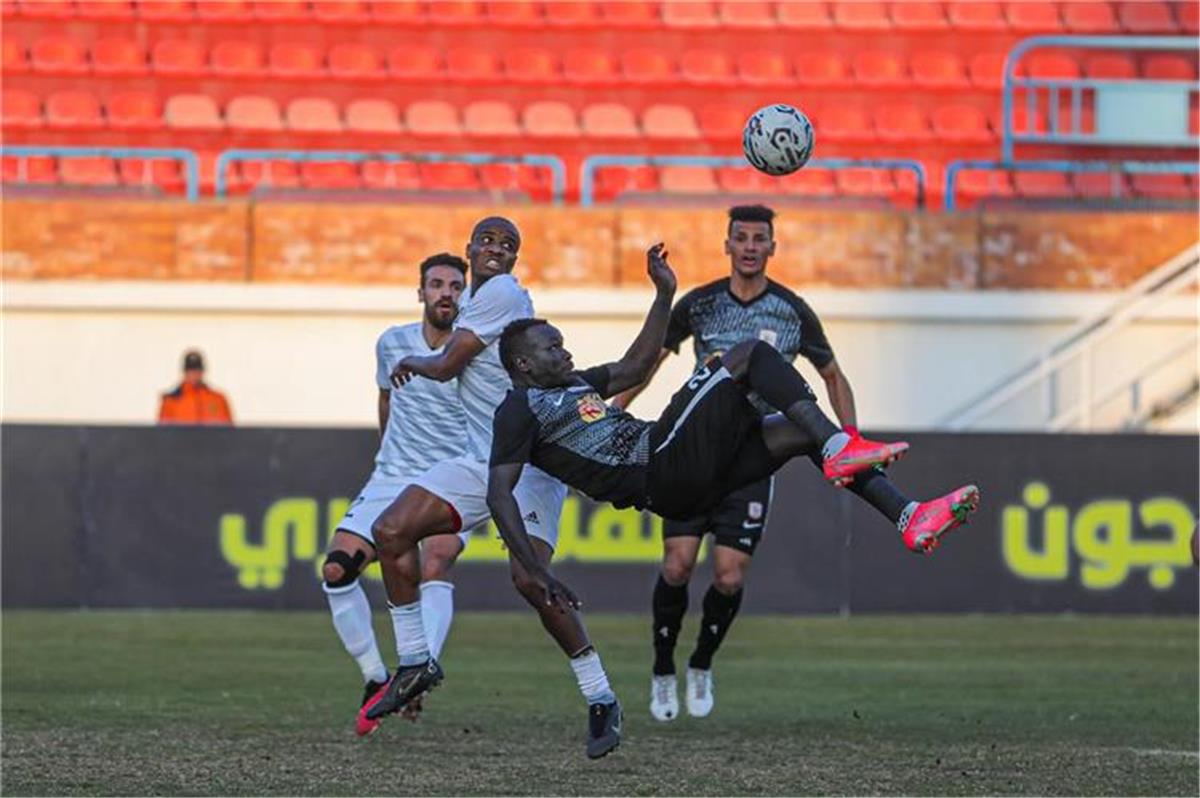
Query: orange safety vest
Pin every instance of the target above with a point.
(194, 404)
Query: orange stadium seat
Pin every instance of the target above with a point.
(589, 67)
(1164, 186)
(686, 14)
(625, 14)
(36, 170)
(1146, 17)
(961, 123)
(330, 175)
(1050, 65)
(166, 10)
(1188, 15)
(647, 66)
(844, 123)
(313, 115)
(59, 55)
(861, 16)
(1100, 185)
(118, 57)
(572, 14)
(491, 118)
(1033, 17)
(866, 183)
(351, 61)
(391, 176)
(987, 70)
(225, 11)
(107, 10)
(706, 68)
(192, 112)
(1042, 185)
(73, 110)
(735, 180)
(416, 63)
(1089, 17)
(748, 14)
(1110, 66)
(804, 15)
(533, 65)
(449, 177)
(163, 174)
(15, 61)
(22, 110)
(917, 16)
(271, 11)
(764, 69)
(901, 122)
(340, 11)
(879, 69)
(373, 116)
(822, 69)
(609, 120)
(719, 122)
(175, 57)
(253, 113)
(550, 119)
(515, 13)
(1163, 66)
(235, 59)
(976, 16)
(472, 65)
(88, 172)
(687, 180)
(134, 110)
(612, 181)
(454, 13)
(296, 60)
(433, 118)
(669, 122)
(809, 183)
(938, 70)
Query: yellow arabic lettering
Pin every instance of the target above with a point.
(1163, 557)
(1053, 561)
(263, 564)
(1103, 533)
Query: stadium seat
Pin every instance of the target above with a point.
(918, 16)
(1110, 66)
(432, 118)
(1042, 185)
(808, 182)
(88, 172)
(313, 115)
(252, 113)
(1049, 65)
(938, 70)
(225, 11)
(844, 123)
(330, 175)
(296, 60)
(44, 9)
(571, 14)
(472, 65)
(73, 110)
(1146, 17)
(741, 180)
(415, 63)
(625, 14)
(609, 120)
(976, 16)
(373, 116)
(15, 61)
(961, 124)
(177, 58)
(861, 16)
(235, 59)
(192, 112)
(1164, 66)
(397, 13)
(687, 14)
(164, 174)
(901, 122)
(865, 183)
(972, 185)
(1187, 14)
(879, 69)
(340, 12)
(22, 110)
(1089, 17)
(1100, 185)
(687, 180)
(118, 58)
(669, 122)
(589, 67)
(720, 122)
(987, 70)
(533, 181)
(764, 69)
(351, 61)
(821, 69)
(804, 15)
(647, 66)
(166, 10)
(533, 65)
(266, 175)
(706, 68)
(134, 110)
(1163, 186)
(1021, 121)
(1033, 17)
(391, 176)
(748, 14)
(104, 10)
(490, 118)
(274, 11)
(515, 13)
(550, 119)
(58, 55)
(37, 170)
(448, 177)
(613, 181)
(455, 13)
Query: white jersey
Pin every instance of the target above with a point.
(484, 382)
(426, 423)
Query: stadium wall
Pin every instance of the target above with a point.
(188, 517)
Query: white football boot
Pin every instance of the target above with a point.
(699, 692)
(664, 697)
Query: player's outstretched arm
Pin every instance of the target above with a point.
(644, 355)
(461, 348)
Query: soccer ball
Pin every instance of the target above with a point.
(777, 139)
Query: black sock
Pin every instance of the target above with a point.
(668, 606)
(719, 612)
(873, 487)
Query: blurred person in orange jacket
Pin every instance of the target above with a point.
(192, 401)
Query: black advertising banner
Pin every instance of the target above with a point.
(192, 517)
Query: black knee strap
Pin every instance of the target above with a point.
(351, 566)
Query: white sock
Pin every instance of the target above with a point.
(437, 612)
(410, 633)
(593, 681)
(352, 620)
(837, 441)
(905, 515)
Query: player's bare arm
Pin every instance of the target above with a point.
(461, 348)
(840, 394)
(644, 354)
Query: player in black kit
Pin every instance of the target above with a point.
(745, 305)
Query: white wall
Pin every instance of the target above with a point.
(303, 355)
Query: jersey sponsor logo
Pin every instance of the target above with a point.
(754, 510)
(770, 336)
(591, 408)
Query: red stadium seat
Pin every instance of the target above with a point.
(166, 10)
(490, 118)
(609, 120)
(415, 63)
(804, 15)
(118, 57)
(1100, 185)
(296, 60)
(1050, 65)
(273, 11)
(1110, 66)
(901, 122)
(764, 69)
(687, 180)
(987, 70)
(972, 185)
(391, 176)
(373, 116)
(266, 175)
(88, 172)
(1163, 66)
(313, 115)
(507, 178)
(455, 13)
(1187, 14)
(961, 123)
(533, 65)
(350, 61)
(861, 16)
(1089, 17)
(844, 123)
(669, 122)
(1163, 186)
(134, 110)
(234, 59)
(163, 174)
(624, 14)
(612, 181)
(735, 180)
(706, 68)
(936, 70)
(821, 69)
(918, 16)
(808, 183)
(225, 11)
(550, 119)
(449, 177)
(47, 9)
(648, 66)
(879, 69)
(515, 13)
(1033, 17)
(1042, 185)
(340, 11)
(866, 183)
(177, 58)
(472, 65)
(589, 67)
(687, 14)
(976, 16)
(572, 14)
(1146, 17)
(58, 55)
(22, 110)
(15, 62)
(330, 175)
(433, 118)
(251, 113)
(721, 122)
(399, 12)
(192, 112)
(35, 170)
(73, 110)
(748, 14)
(106, 10)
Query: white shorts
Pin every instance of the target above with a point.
(376, 495)
(462, 483)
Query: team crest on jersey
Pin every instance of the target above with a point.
(754, 510)
(591, 408)
(770, 336)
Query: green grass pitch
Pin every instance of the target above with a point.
(233, 703)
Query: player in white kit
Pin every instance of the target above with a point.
(419, 426)
(453, 495)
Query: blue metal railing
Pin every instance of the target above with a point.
(558, 170)
(1073, 167)
(191, 164)
(1161, 120)
(587, 177)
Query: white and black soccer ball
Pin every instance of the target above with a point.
(777, 139)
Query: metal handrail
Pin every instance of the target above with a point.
(191, 164)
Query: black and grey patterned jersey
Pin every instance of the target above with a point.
(570, 433)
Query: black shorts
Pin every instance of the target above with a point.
(736, 523)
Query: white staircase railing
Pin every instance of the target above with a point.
(1076, 349)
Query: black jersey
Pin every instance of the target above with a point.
(572, 434)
